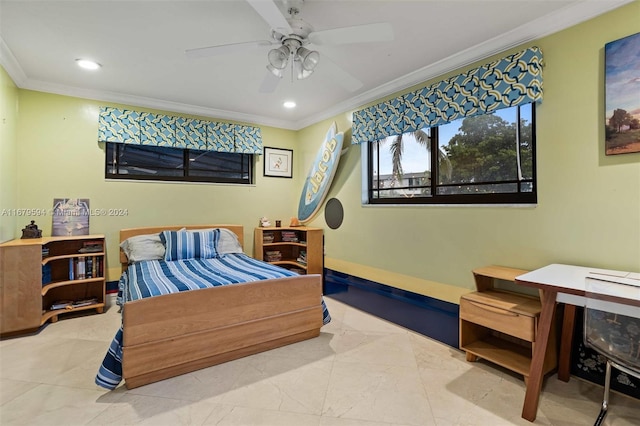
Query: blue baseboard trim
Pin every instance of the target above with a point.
(112, 286)
(432, 317)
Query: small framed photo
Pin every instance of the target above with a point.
(278, 162)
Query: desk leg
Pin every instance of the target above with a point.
(534, 385)
(564, 362)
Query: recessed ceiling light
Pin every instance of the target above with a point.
(289, 104)
(87, 64)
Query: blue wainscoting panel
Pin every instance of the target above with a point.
(432, 317)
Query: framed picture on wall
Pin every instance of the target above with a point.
(278, 162)
(622, 95)
(70, 216)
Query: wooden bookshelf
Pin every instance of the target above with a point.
(37, 274)
(297, 248)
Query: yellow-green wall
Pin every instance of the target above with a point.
(588, 210)
(61, 158)
(8, 159)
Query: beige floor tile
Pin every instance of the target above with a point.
(147, 410)
(228, 415)
(55, 405)
(281, 383)
(11, 389)
(377, 392)
(361, 371)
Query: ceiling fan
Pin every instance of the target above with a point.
(293, 38)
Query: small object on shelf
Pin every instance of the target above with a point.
(294, 222)
(264, 222)
(278, 224)
(31, 231)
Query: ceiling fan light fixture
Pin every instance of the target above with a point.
(279, 57)
(302, 73)
(308, 58)
(275, 71)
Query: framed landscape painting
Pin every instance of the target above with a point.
(622, 95)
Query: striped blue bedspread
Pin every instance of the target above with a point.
(154, 278)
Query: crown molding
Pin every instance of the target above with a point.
(571, 15)
(559, 20)
(160, 104)
(11, 65)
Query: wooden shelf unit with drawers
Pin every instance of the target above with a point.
(307, 240)
(35, 276)
(500, 326)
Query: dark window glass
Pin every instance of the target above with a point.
(142, 162)
(487, 158)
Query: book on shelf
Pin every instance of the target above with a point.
(92, 246)
(70, 304)
(46, 274)
(268, 237)
(289, 236)
(89, 267)
(83, 267)
(84, 302)
(272, 255)
(302, 257)
(61, 304)
(80, 268)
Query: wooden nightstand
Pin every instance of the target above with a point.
(500, 326)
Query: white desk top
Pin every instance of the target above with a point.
(574, 282)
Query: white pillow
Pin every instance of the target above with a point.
(228, 242)
(143, 247)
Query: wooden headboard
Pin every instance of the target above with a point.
(130, 232)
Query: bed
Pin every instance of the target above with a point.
(179, 313)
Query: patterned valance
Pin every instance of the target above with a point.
(145, 128)
(510, 81)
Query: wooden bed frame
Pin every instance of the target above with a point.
(173, 334)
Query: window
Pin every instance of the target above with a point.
(482, 159)
(142, 162)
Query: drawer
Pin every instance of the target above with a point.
(502, 320)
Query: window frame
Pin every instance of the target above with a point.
(250, 163)
(518, 198)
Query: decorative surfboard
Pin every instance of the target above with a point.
(318, 181)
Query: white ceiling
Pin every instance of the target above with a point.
(141, 46)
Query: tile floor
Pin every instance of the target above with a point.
(361, 371)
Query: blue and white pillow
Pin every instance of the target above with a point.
(182, 245)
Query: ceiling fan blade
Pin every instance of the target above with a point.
(269, 83)
(225, 49)
(339, 74)
(357, 34)
(271, 14)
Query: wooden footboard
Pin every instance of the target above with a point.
(169, 335)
